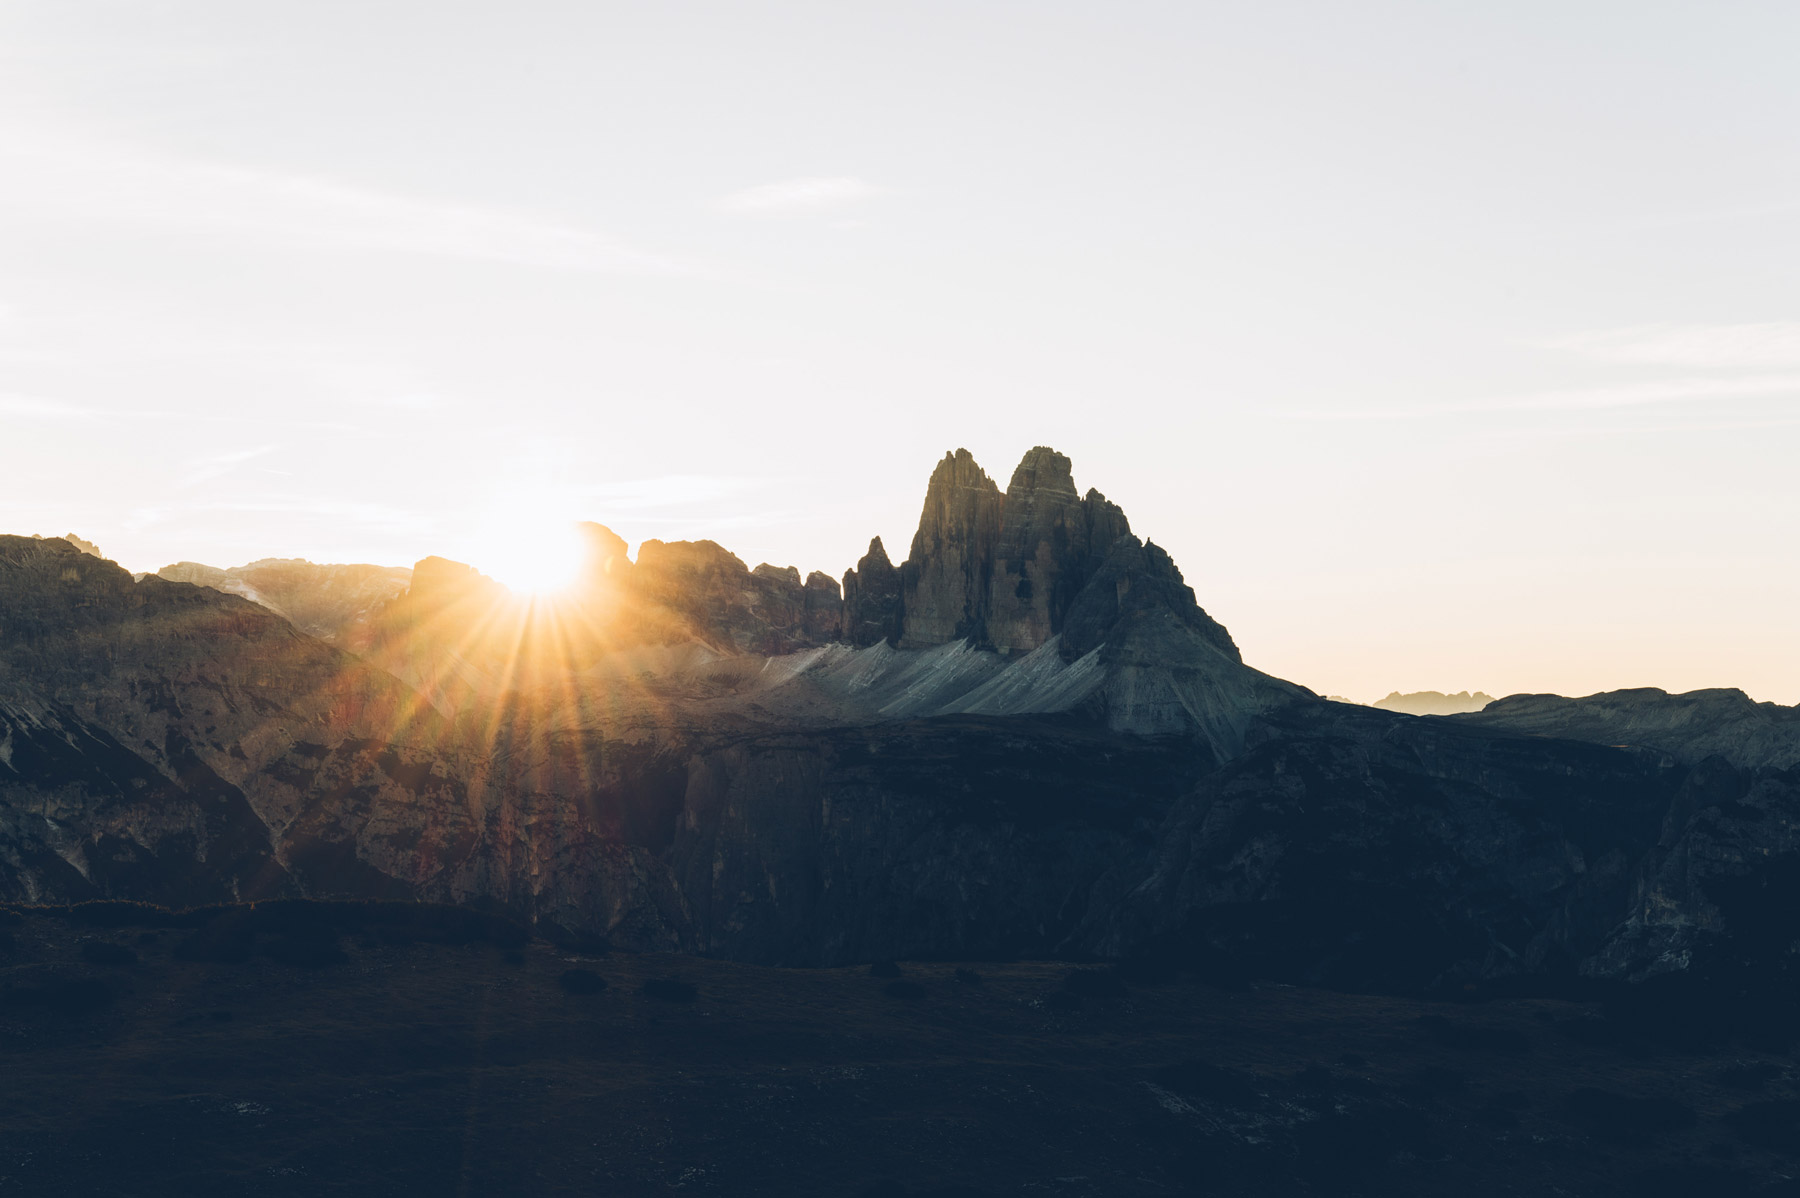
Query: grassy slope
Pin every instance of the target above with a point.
(419, 1068)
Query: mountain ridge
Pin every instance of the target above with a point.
(689, 754)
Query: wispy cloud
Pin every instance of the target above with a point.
(666, 491)
(218, 465)
(59, 178)
(36, 407)
(796, 196)
(1623, 395)
(1693, 346)
(374, 516)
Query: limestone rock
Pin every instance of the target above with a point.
(606, 567)
(1043, 555)
(872, 599)
(944, 582)
(823, 604)
(339, 604)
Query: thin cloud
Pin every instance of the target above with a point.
(797, 196)
(36, 407)
(218, 465)
(1695, 346)
(1625, 395)
(666, 491)
(63, 178)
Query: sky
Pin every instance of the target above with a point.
(1444, 346)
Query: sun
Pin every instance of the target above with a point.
(532, 559)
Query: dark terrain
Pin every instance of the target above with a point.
(1194, 929)
(409, 1066)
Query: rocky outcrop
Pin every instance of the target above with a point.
(167, 741)
(339, 604)
(1692, 726)
(872, 608)
(1052, 542)
(87, 547)
(945, 580)
(822, 606)
(1359, 849)
(1002, 571)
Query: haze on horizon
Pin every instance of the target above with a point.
(1442, 350)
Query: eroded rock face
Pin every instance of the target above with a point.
(1050, 545)
(339, 604)
(872, 607)
(823, 608)
(1355, 848)
(166, 741)
(944, 583)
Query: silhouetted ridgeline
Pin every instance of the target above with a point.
(1025, 739)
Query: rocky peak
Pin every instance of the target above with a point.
(1137, 603)
(1044, 555)
(87, 547)
(1002, 570)
(606, 565)
(872, 598)
(944, 582)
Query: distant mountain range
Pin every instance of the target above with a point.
(1027, 738)
(1434, 702)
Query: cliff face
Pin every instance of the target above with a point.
(872, 599)
(1052, 543)
(687, 753)
(170, 742)
(1002, 571)
(944, 582)
(337, 604)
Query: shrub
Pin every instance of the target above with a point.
(669, 989)
(884, 969)
(581, 981)
(100, 952)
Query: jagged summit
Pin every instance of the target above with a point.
(87, 547)
(1037, 598)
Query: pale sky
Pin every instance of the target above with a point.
(1444, 346)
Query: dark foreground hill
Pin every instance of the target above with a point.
(308, 1051)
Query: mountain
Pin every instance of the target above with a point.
(1027, 738)
(1433, 702)
(334, 603)
(1692, 726)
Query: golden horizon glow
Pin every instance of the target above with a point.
(531, 557)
